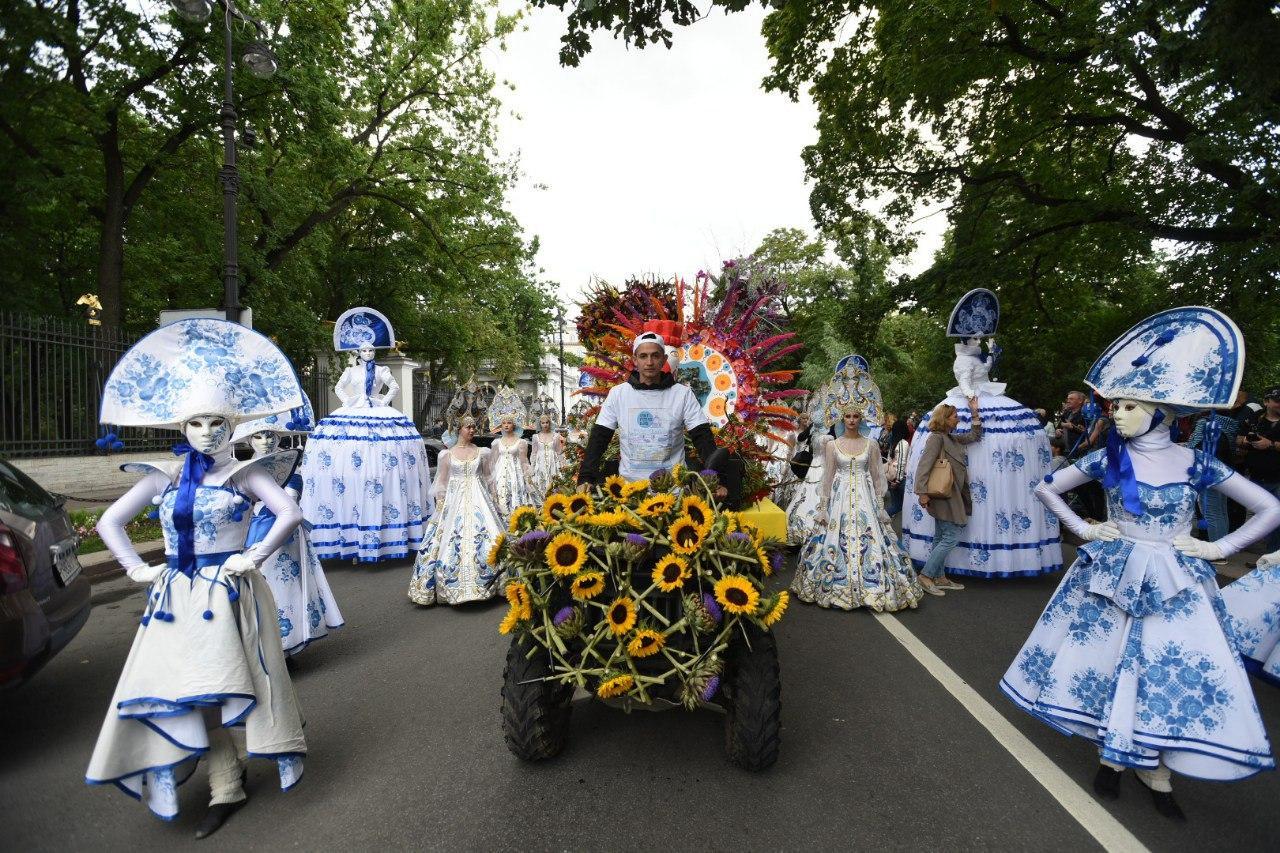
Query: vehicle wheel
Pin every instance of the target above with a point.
(535, 714)
(753, 687)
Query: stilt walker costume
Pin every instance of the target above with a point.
(305, 605)
(207, 657)
(1134, 651)
(364, 473)
(1009, 533)
(1254, 604)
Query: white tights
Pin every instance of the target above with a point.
(225, 764)
(1158, 779)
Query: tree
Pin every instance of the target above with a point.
(375, 178)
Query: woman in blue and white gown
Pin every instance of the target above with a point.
(1131, 651)
(207, 660)
(1009, 534)
(806, 500)
(305, 605)
(1254, 604)
(365, 472)
(855, 559)
(547, 457)
(453, 565)
(510, 474)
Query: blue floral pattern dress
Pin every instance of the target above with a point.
(1254, 604)
(453, 565)
(305, 605)
(855, 560)
(1135, 649)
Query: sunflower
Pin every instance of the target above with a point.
(656, 505)
(686, 536)
(615, 486)
(732, 524)
(509, 621)
(698, 510)
(779, 607)
(763, 559)
(756, 534)
(496, 551)
(518, 516)
(580, 503)
(612, 518)
(554, 508)
(634, 487)
(615, 686)
(737, 594)
(645, 642)
(566, 553)
(670, 573)
(677, 472)
(518, 597)
(587, 585)
(621, 616)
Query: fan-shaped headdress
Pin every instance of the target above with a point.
(297, 420)
(197, 367)
(507, 402)
(360, 326)
(976, 315)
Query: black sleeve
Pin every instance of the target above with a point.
(704, 442)
(597, 444)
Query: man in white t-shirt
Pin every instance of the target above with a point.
(651, 412)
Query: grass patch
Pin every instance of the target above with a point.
(142, 528)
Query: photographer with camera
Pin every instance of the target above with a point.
(1260, 438)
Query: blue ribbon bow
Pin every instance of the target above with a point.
(194, 468)
(1120, 467)
(368, 380)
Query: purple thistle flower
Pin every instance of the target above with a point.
(533, 538)
(710, 690)
(713, 606)
(659, 474)
(564, 614)
(708, 472)
(637, 540)
(775, 561)
(739, 536)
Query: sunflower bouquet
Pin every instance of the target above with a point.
(638, 588)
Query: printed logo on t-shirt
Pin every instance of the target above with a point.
(645, 419)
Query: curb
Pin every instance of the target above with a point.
(102, 565)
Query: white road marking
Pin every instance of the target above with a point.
(1095, 820)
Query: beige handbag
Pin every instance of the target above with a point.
(941, 478)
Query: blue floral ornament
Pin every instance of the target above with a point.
(976, 315)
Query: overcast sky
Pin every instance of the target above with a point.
(655, 160)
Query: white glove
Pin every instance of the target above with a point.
(820, 519)
(142, 573)
(1198, 548)
(1268, 561)
(1106, 531)
(238, 564)
(884, 517)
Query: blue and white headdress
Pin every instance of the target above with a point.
(360, 326)
(976, 315)
(1188, 359)
(854, 359)
(507, 402)
(195, 367)
(297, 420)
(851, 385)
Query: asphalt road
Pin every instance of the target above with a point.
(406, 749)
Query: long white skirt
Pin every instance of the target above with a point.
(806, 503)
(1254, 604)
(364, 485)
(305, 605)
(1010, 534)
(154, 733)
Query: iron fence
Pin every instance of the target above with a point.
(51, 377)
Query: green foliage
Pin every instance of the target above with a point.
(375, 178)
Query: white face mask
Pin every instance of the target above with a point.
(366, 353)
(264, 442)
(1133, 418)
(207, 433)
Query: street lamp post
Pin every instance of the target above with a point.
(260, 62)
(560, 330)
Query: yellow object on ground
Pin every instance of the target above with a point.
(769, 517)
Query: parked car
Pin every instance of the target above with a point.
(44, 601)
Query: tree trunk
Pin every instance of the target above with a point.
(111, 240)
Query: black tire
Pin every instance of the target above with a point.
(535, 714)
(753, 687)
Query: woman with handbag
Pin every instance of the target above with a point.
(942, 485)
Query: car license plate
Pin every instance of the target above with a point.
(66, 561)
